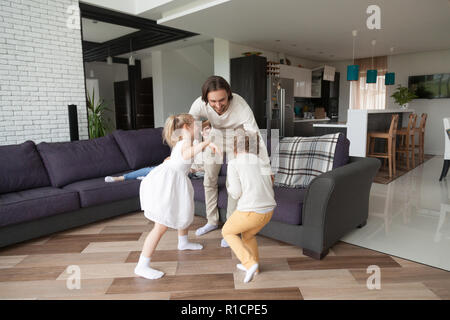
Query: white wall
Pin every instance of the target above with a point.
(41, 71)
(177, 78)
(222, 58)
(437, 109)
(106, 76)
(146, 67)
(405, 65)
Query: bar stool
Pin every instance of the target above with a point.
(406, 145)
(391, 138)
(420, 130)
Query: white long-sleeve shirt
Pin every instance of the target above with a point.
(246, 184)
(238, 115)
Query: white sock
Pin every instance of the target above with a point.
(224, 244)
(205, 229)
(250, 273)
(184, 244)
(109, 179)
(143, 270)
(240, 266)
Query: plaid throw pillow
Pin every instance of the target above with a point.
(301, 159)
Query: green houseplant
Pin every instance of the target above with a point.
(402, 96)
(96, 120)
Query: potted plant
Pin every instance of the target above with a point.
(96, 121)
(402, 96)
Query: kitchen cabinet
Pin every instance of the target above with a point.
(302, 79)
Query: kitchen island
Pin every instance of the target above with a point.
(359, 122)
(303, 127)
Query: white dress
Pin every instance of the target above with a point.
(166, 193)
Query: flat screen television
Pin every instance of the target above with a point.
(433, 86)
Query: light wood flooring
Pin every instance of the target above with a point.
(106, 253)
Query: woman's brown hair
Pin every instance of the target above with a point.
(215, 83)
(173, 123)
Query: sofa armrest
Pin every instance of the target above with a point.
(337, 202)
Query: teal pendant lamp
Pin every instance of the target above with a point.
(389, 78)
(372, 74)
(353, 70)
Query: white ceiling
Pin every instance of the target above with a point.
(102, 31)
(320, 29)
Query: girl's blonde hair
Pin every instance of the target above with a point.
(173, 123)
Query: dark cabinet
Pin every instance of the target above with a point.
(330, 96)
(248, 79)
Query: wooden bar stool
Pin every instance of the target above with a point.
(390, 150)
(420, 130)
(407, 135)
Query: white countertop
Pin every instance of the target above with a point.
(399, 110)
(330, 125)
(310, 120)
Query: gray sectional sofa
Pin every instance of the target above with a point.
(50, 187)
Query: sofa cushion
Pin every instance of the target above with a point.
(67, 162)
(143, 147)
(341, 153)
(301, 159)
(96, 191)
(21, 168)
(199, 191)
(289, 205)
(26, 205)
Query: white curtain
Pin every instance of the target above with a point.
(369, 95)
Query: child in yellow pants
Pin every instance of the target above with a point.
(256, 202)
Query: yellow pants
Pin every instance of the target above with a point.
(248, 225)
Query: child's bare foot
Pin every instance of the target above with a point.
(113, 179)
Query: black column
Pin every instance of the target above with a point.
(73, 122)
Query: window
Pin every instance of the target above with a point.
(369, 95)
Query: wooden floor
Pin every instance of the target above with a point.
(106, 253)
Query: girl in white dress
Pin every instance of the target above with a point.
(166, 193)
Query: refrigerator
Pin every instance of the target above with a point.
(280, 106)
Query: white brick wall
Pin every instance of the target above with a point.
(41, 71)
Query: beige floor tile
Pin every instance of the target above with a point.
(52, 288)
(67, 259)
(131, 296)
(10, 261)
(205, 267)
(118, 270)
(280, 252)
(114, 246)
(352, 291)
(280, 279)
